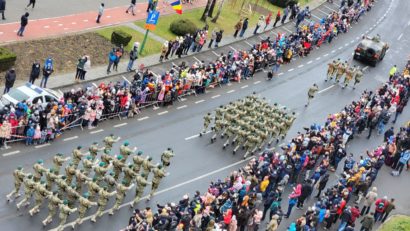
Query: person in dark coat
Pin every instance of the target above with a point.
(242, 219)
(23, 24)
(306, 192)
(35, 71)
(218, 37)
(322, 184)
(244, 27)
(2, 8)
(10, 78)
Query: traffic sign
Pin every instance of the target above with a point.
(152, 17)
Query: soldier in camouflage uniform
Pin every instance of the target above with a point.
(40, 193)
(70, 173)
(207, 121)
(141, 184)
(147, 166)
(121, 190)
(110, 181)
(77, 156)
(126, 151)
(62, 184)
(341, 70)
(109, 142)
(65, 211)
(53, 202)
(38, 170)
(58, 161)
(84, 205)
(28, 191)
(159, 173)
(94, 149)
(358, 74)
(330, 70)
(348, 76)
(138, 160)
(19, 176)
(88, 164)
(101, 170)
(81, 179)
(106, 157)
(72, 195)
(219, 127)
(166, 157)
(103, 198)
(51, 178)
(93, 188)
(129, 174)
(118, 165)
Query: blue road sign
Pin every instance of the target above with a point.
(153, 17)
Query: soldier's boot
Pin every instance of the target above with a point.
(14, 192)
(47, 221)
(234, 139)
(213, 138)
(33, 211)
(134, 201)
(226, 143)
(246, 154)
(94, 218)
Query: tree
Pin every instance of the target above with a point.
(219, 11)
(206, 10)
(211, 9)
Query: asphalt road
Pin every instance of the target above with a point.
(198, 162)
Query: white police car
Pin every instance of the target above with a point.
(31, 94)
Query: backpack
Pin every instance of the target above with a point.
(381, 205)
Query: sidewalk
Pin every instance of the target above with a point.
(49, 27)
(100, 72)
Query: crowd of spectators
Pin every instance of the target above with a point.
(86, 107)
(252, 194)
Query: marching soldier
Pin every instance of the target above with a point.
(147, 166)
(141, 184)
(207, 121)
(65, 211)
(106, 157)
(72, 195)
(330, 70)
(219, 127)
(159, 173)
(336, 66)
(94, 149)
(358, 74)
(80, 179)
(84, 205)
(129, 174)
(28, 191)
(126, 151)
(348, 76)
(70, 172)
(110, 181)
(50, 178)
(219, 113)
(77, 156)
(58, 161)
(38, 170)
(118, 165)
(138, 160)
(93, 187)
(62, 184)
(250, 144)
(88, 165)
(19, 176)
(53, 203)
(122, 189)
(103, 198)
(242, 134)
(341, 69)
(109, 142)
(311, 93)
(40, 193)
(100, 171)
(166, 157)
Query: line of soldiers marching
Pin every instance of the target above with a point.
(111, 176)
(337, 69)
(250, 123)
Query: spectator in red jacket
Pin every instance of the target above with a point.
(355, 213)
(381, 205)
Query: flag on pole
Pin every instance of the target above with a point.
(177, 6)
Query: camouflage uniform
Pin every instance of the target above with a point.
(58, 161)
(125, 151)
(70, 173)
(38, 170)
(77, 156)
(118, 165)
(141, 184)
(65, 211)
(84, 205)
(166, 157)
(129, 174)
(138, 160)
(19, 176)
(102, 202)
(40, 193)
(147, 167)
(120, 195)
(28, 191)
(159, 173)
(207, 121)
(53, 202)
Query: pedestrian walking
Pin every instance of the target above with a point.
(381, 205)
(118, 53)
(267, 20)
(244, 27)
(100, 12)
(10, 79)
(403, 161)
(388, 209)
(133, 56)
(238, 27)
(131, 7)
(213, 37)
(31, 3)
(261, 20)
(367, 222)
(80, 68)
(2, 8)
(48, 69)
(23, 24)
(285, 14)
(111, 59)
(277, 18)
(87, 67)
(218, 37)
(35, 71)
(311, 93)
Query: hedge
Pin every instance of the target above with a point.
(119, 37)
(182, 27)
(7, 59)
(283, 3)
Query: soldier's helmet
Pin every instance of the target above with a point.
(40, 161)
(65, 202)
(160, 166)
(102, 164)
(59, 154)
(42, 182)
(30, 176)
(119, 157)
(19, 167)
(130, 166)
(126, 143)
(112, 173)
(95, 142)
(143, 174)
(86, 195)
(124, 182)
(73, 186)
(79, 147)
(149, 158)
(64, 177)
(55, 192)
(111, 134)
(51, 170)
(89, 157)
(139, 153)
(169, 149)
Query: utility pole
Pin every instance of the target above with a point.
(146, 32)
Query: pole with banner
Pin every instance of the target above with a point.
(150, 24)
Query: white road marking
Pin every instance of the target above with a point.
(215, 53)
(96, 131)
(352, 41)
(70, 138)
(248, 43)
(260, 36)
(197, 135)
(120, 125)
(318, 58)
(322, 11)
(325, 54)
(309, 62)
(301, 65)
(244, 86)
(291, 69)
(287, 29)
(387, 51)
(229, 92)
(11, 153)
(173, 64)
(108, 16)
(401, 35)
(233, 48)
(197, 59)
(367, 31)
(357, 38)
(215, 96)
(42, 145)
(340, 48)
(326, 89)
(162, 113)
(95, 85)
(126, 79)
(315, 16)
(280, 73)
(181, 107)
(143, 118)
(347, 44)
(199, 101)
(257, 82)
(229, 84)
(365, 68)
